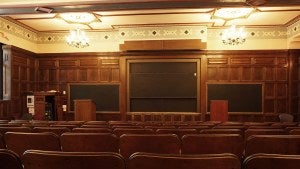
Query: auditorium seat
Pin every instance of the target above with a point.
(69, 126)
(176, 161)
(94, 126)
(9, 160)
(222, 131)
(95, 123)
(198, 128)
(3, 130)
(273, 144)
(178, 132)
(36, 159)
(89, 142)
(56, 130)
(213, 144)
(2, 144)
(91, 130)
(272, 161)
(119, 131)
(150, 143)
(295, 132)
(20, 142)
(250, 132)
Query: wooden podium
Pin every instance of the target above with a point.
(219, 110)
(85, 110)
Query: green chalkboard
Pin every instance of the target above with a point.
(106, 96)
(241, 97)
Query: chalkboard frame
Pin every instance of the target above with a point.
(236, 83)
(173, 60)
(70, 100)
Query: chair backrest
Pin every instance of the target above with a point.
(56, 130)
(120, 131)
(178, 132)
(9, 160)
(271, 161)
(89, 142)
(91, 130)
(285, 117)
(150, 143)
(2, 144)
(3, 130)
(34, 159)
(222, 131)
(20, 142)
(273, 144)
(175, 161)
(295, 132)
(213, 144)
(250, 132)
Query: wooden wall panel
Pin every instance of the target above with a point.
(270, 69)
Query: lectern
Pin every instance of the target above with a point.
(85, 110)
(219, 110)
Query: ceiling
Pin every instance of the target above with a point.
(113, 14)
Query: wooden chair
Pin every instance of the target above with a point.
(295, 131)
(9, 160)
(213, 144)
(271, 161)
(250, 132)
(3, 130)
(273, 144)
(175, 161)
(69, 126)
(89, 142)
(120, 131)
(20, 142)
(222, 131)
(2, 144)
(94, 126)
(178, 132)
(150, 143)
(56, 130)
(36, 159)
(96, 123)
(91, 130)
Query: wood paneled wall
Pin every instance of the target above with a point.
(23, 79)
(277, 70)
(271, 68)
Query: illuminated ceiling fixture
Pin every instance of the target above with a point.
(78, 39)
(232, 13)
(234, 36)
(79, 17)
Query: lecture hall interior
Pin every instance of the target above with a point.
(166, 84)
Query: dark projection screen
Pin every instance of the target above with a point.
(105, 96)
(241, 97)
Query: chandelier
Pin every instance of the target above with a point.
(77, 38)
(233, 36)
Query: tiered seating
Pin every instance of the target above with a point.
(250, 132)
(272, 161)
(20, 142)
(178, 132)
(273, 144)
(9, 160)
(2, 144)
(213, 144)
(175, 161)
(3, 130)
(89, 142)
(56, 130)
(36, 159)
(91, 130)
(150, 143)
(120, 131)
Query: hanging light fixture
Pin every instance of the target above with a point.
(77, 38)
(234, 36)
